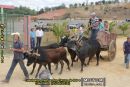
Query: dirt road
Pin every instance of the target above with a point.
(115, 73)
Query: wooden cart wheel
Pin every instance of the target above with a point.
(112, 50)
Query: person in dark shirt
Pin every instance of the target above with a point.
(94, 26)
(18, 58)
(126, 49)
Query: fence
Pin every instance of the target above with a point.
(15, 23)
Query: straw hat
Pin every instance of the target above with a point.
(93, 14)
(16, 33)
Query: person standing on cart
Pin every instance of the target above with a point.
(94, 25)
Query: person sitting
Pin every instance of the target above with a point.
(106, 25)
(101, 25)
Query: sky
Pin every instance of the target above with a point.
(38, 4)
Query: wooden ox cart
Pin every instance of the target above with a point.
(107, 41)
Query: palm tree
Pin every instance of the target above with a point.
(124, 27)
(59, 30)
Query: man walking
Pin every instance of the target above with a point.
(18, 58)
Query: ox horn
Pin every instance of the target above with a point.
(28, 52)
(37, 54)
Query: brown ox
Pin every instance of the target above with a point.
(48, 56)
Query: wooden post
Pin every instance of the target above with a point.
(27, 26)
(28, 30)
(2, 15)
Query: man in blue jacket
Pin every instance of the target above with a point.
(126, 48)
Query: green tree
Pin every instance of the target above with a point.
(21, 10)
(86, 8)
(104, 1)
(111, 26)
(59, 30)
(126, 1)
(75, 5)
(59, 7)
(92, 3)
(124, 27)
(47, 9)
(83, 4)
(71, 6)
(79, 4)
(41, 11)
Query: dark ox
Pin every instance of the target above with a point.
(65, 40)
(48, 56)
(88, 49)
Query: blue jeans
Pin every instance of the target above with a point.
(13, 65)
(94, 34)
(32, 41)
(127, 59)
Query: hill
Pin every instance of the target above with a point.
(108, 11)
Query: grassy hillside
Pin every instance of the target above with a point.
(111, 11)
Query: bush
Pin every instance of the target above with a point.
(111, 26)
(124, 27)
(86, 8)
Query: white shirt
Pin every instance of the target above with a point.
(39, 33)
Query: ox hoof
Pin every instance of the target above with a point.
(56, 68)
(36, 77)
(71, 65)
(76, 60)
(81, 71)
(51, 73)
(31, 73)
(97, 64)
(85, 64)
(69, 69)
(60, 73)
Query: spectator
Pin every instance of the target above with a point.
(106, 25)
(101, 25)
(18, 58)
(39, 35)
(32, 38)
(126, 49)
(94, 25)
